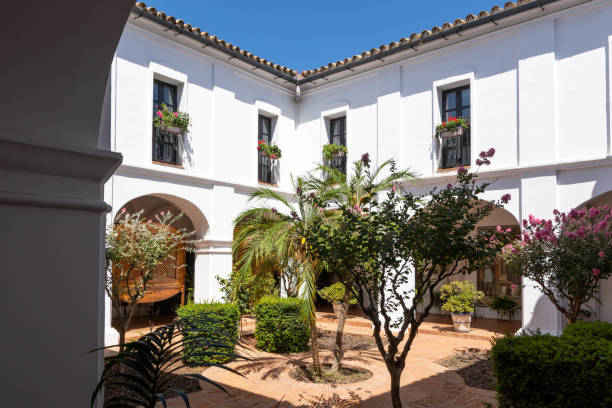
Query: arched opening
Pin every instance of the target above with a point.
(174, 281)
(501, 285)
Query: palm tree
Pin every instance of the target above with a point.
(335, 190)
(265, 238)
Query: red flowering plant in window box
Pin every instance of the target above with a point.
(171, 121)
(452, 127)
(269, 150)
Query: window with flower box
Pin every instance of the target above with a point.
(455, 146)
(337, 136)
(266, 164)
(167, 142)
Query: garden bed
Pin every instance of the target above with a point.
(327, 341)
(345, 375)
(474, 366)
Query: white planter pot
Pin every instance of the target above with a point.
(462, 321)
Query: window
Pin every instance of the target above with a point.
(265, 165)
(167, 143)
(455, 151)
(499, 279)
(337, 135)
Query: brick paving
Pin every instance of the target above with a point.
(265, 380)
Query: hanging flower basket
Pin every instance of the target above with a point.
(452, 127)
(175, 122)
(271, 151)
(332, 151)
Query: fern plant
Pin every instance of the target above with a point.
(145, 367)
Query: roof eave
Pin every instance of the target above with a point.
(234, 54)
(442, 35)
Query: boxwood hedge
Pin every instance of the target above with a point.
(215, 323)
(280, 325)
(544, 371)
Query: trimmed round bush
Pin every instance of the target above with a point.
(600, 330)
(542, 371)
(280, 325)
(211, 323)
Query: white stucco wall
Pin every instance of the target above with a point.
(540, 94)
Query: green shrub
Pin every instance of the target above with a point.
(601, 330)
(280, 325)
(335, 294)
(220, 323)
(505, 307)
(543, 371)
(459, 297)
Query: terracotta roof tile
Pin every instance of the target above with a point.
(416, 37)
(412, 40)
(152, 11)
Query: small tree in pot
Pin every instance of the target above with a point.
(341, 297)
(460, 298)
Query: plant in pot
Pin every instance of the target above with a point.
(176, 122)
(332, 150)
(460, 298)
(336, 294)
(452, 127)
(504, 307)
(271, 151)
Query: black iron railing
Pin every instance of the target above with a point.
(267, 169)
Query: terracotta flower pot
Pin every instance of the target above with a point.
(462, 321)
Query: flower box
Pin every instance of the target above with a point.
(171, 129)
(445, 134)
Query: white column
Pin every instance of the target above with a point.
(538, 197)
(213, 258)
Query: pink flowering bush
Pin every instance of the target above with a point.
(164, 117)
(567, 256)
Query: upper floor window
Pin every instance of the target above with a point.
(167, 143)
(337, 136)
(455, 150)
(265, 165)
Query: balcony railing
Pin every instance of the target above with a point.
(455, 149)
(267, 169)
(337, 162)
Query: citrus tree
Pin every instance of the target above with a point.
(391, 246)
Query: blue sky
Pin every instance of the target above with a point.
(307, 34)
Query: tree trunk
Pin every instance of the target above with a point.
(338, 351)
(396, 374)
(314, 343)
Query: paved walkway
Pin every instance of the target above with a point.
(267, 384)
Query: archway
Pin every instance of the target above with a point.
(174, 282)
(497, 281)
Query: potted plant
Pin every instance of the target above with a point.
(271, 151)
(452, 127)
(504, 307)
(332, 150)
(174, 122)
(335, 295)
(459, 298)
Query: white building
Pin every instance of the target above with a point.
(533, 78)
